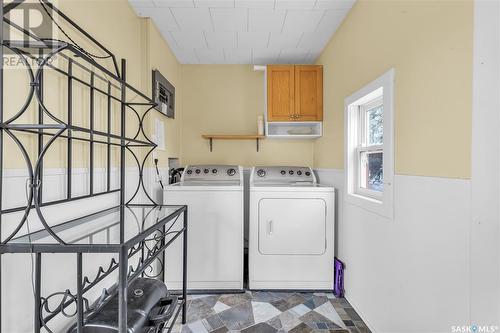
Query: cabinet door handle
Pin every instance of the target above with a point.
(270, 227)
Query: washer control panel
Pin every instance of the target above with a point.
(282, 175)
(211, 173)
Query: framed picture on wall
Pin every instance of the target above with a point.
(163, 94)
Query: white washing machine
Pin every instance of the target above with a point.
(291, 230)
(214, 196)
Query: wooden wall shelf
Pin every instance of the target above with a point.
(232, 137)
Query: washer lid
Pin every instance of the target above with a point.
(205, 186)
(291, 188)
(210, 183)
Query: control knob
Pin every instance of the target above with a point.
(189, 172)
(214, 171)
(283, 172)
(231, 172)
(290, 172)
(197, 171)
(308, 173)
(261, 172)
(205, 170)
(299, 173)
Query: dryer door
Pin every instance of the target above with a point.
(291, 226)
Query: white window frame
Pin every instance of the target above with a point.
(363, 147)
(381, 203)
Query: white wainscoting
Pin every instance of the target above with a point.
(410, 274)
(58, 270)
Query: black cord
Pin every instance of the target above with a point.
(28, 184)
(75, 44)
(158, 172)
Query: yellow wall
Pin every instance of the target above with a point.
(117, 27)
(429, 43)
(226, 99)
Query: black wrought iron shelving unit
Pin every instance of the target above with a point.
(132, 230)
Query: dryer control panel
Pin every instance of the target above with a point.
(282, 175)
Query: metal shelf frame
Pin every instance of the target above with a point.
(46, 130)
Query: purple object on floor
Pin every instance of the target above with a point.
(338, 288)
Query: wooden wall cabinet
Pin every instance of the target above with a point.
(294, 93)
(280, 92)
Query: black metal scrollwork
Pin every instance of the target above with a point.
(64, 130)
(36, 54)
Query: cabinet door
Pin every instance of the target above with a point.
(280, 92)
(309, 92)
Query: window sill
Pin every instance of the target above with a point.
(367, 198)
(384, 209)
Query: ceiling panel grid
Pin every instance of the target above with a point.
(245, 31)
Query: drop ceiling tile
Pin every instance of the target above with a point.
(229, 19)
(185, 56)
(214, 3)
(167, 35)
(295, 4)
(189, 39)
(210, 56)
(303, 21)
(190, 19)
(314, 40)
(309, 60)
(142, 3)
(162, 17)
(266, 20)
(238, 56)
(285, 39)
(334, 4)
(174, 3)
(331, 21)
(293, 56)
(244, 31)
(172, 44)
(265, 56)
(254, 4)
(253, 39)
(220, 39)
(312, 57)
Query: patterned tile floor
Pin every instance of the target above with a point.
(270, 312)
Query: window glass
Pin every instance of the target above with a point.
(371, 176)
(375, 124)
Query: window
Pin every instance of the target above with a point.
(369, 149)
